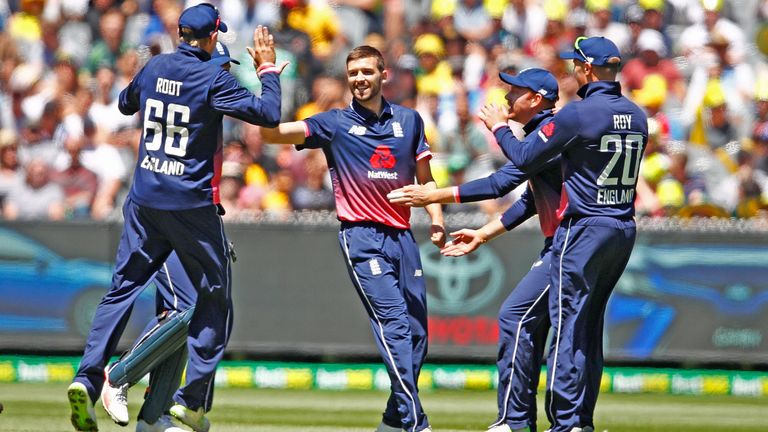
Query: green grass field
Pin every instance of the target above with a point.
(43, 407)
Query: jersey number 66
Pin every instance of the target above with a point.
(154, 109)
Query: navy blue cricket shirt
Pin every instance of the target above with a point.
(601, 139)
(368, 157)
(182, 99)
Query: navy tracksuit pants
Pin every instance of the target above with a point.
(589, 255)
(175, 292)
(523, 326)
(149, 236)
(385, 268)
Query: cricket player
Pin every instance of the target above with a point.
(175, 292)
(171, 207)
(524, 316)
(601, 140)
(373, 147)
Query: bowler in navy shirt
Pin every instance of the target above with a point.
(373, 147)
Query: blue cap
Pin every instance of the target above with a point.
(220, 55)
(594, 50)
(203, 19)
(538, 80)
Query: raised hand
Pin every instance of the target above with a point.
(491, 114)
(465, 241)
(263, 50)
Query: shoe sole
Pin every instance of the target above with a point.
(78, 403)
(183, 420)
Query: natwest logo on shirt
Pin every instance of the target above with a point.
(383, 158)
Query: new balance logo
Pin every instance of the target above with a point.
(375, 267)
(418, 273)
(357, 130)
(397, 129)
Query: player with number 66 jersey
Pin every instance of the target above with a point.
(171, 206)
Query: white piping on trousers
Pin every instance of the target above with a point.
(170, 284)
(514, 355)
(381, 333)
(228, 287)
(559, 321)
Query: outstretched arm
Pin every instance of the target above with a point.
(552, 138)
(285, 133)
(496, 185)
(466, 241)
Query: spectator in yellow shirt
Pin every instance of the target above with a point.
(319, 22)
(434, 75)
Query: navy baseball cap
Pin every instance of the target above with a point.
(538, 80)
(221, 55)
(203, 19)
(594, 50)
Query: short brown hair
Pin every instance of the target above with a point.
(186, 35)
(366, 51)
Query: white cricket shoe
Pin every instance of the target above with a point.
(193, 418)
(584, 429)
(163, 424)
(387, 428)
(115, 401)
(507, 428)
(83, 416)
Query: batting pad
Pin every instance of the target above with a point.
(158, 344)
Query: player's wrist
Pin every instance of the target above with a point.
(263, 65)
(268, 67)
(456, 194)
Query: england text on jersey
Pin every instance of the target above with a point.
(615, 196)
(167, 167)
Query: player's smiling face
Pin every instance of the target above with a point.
(365, 79)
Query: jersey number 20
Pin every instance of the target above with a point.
(631, 147)
(154, 109)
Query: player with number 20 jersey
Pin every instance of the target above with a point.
(601, 139)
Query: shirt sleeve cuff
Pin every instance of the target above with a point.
(267, 68)
(498, 126)
(424, 154)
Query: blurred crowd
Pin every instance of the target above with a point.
(699, 68)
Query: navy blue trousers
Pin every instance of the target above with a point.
(175, 292)
(588, 257)
(523, 326)
(149, 236)
(385, 268)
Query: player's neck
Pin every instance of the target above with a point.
(373, 104)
